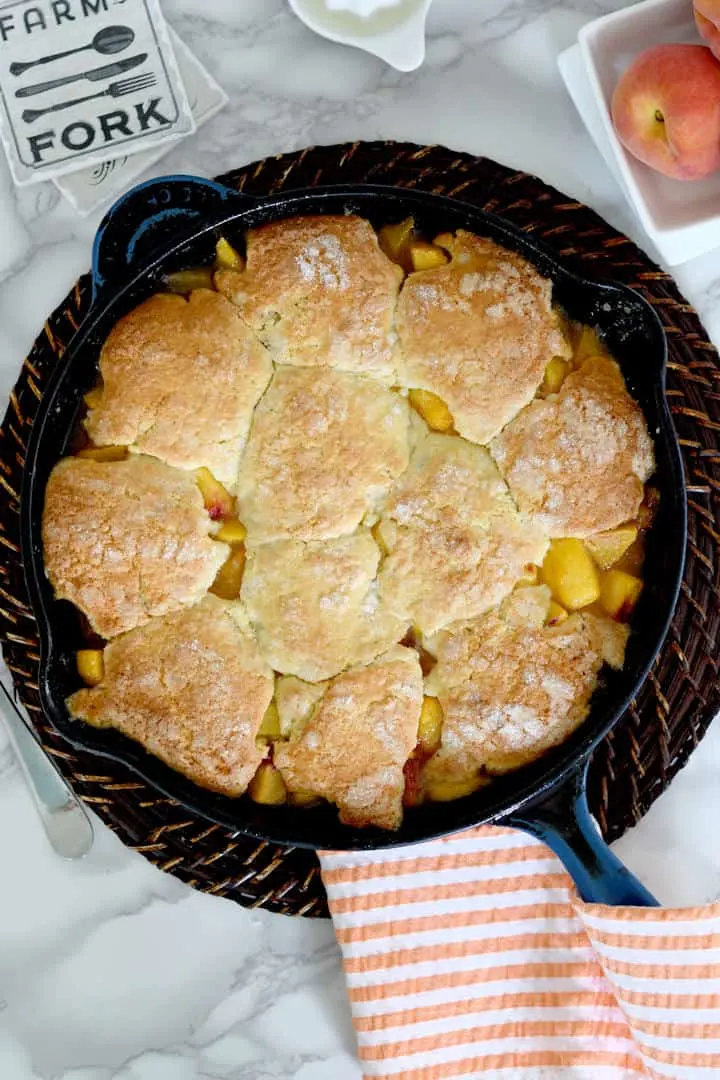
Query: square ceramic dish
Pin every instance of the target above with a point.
(682, 218)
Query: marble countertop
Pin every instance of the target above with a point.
(110, 970)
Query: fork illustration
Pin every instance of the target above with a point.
(114, 90)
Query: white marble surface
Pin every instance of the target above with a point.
(110, 970)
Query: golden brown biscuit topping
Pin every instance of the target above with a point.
(127, 540)
(477, 332)
(192, 687)
(324, 447)
(181, 378)
(315, 605)
(352, 747)
(578, 460)
(320, 293)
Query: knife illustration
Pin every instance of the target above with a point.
(108, 71)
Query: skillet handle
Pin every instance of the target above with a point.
(151, 216)
(562, 820)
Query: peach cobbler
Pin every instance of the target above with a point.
(352, 516)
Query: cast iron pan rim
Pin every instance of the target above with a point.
(177, 787)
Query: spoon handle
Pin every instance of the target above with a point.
(18, 68)
(63, 816)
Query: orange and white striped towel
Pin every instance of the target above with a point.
(472, 956)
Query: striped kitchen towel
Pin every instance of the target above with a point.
(472, 956)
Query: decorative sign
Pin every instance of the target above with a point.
(84, 82)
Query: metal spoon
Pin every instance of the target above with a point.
(112, 39)
(63, 816)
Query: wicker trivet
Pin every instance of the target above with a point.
(652, 741)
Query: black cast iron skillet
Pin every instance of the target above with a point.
(173, 223)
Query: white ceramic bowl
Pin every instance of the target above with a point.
(681, 217)
(396, 34)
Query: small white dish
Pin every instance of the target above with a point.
(682, 218)
(396, 34)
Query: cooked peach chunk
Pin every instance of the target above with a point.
(433, 409)
(103, 453)
(184, 281)
(570, 574)
(93, 397)
(607, 548)
(619, 593)
(424, 256)
(267, 786)
(430, 725)
(219, 503)
(394, 241)
(229, 577)
(555, 374)
(90, 666)
(587, 345)
(270, 726)
(303, 798)
(226, 256)
(231, 531)
(556, 614)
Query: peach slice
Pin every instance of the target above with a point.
(424, 256)
(394, 241)
(619, 593)
(226, 256)
(185, 281)
(267, 786)
(90, 666)
(607, 548)
(430, 725)
(570, 574)
(228, 579)
(103, 453)
(433, 409)
(555, 374)
(219, 503)
(231, 531)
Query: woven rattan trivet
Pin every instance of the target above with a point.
(672, 712)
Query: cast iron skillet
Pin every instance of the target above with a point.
(174, 222)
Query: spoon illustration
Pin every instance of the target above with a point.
(112, 39)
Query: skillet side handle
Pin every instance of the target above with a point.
(562, 820)
(151, 216)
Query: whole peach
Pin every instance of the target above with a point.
(707, 20)
(666, 110)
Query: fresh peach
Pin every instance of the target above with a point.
(666, 110)
(707, 20)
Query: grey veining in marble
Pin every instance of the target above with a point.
(110, 970)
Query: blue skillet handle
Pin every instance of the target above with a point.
(562, 820)
(152, 216)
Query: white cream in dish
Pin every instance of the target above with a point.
(393, 30)
(364, 8)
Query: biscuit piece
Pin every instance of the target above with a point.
(456, 544)
(180, 380)
(353, 746)
(478, 332)
(324, 445)
(320, 293)
(511, 687)
(192, 687)
(578, 460)
(126, 540)
(315, 607)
